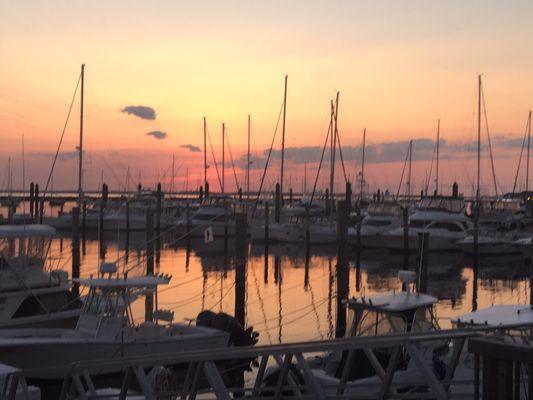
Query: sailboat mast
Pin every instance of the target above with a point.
(528, 147)
(409, 171)
(223, 164)
(334, 110)
(283, 138)
(362, 168)
(438, 146)
(205, 154)
(478, 141)
(248, 161)
(80, 165)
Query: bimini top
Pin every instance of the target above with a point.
(394, 302)
(26, 231)
(502, 315)
(121, 283)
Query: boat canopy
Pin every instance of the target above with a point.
(442, 203)
(501, 315)
(26, 231)
(394, 302)
(150, 281)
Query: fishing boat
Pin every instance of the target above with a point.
(30, 295)
(106, 330)
(391, 313)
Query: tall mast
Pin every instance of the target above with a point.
(205, 154)
(283, 138)
(438, 145)
(334, 110)
(478, 140)
(528, 147)
(305, 179)
(80, 166)
(248, 161)
(362, 168)
(409, 171)
(223, 145)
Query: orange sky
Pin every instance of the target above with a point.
(398, 65)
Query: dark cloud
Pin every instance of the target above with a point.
(62, 156)
(191, 148)
(142, 112)
(157, 135)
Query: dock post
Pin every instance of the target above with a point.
(41, 210)
(359, 248)
(342, 268)
(241, 246)
(158, 224)
(405, 220)
(307, 231)
(225, 232)
(32, 191)
(201, 194)
(277, 204)
(149, 303)
(290, 197)
(103, 202)
(35, 202)
(75, 248)
(422, 261)
(206, 194)
(267, 227)
(188, 221)
(531, 273)
(327, 201)
(349, 198)
(240, 194)
(83, 225)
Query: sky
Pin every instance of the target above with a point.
(155, 69)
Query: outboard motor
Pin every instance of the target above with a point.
(225, 322)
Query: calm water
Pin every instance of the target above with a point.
(290, 297)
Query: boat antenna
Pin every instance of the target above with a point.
(205, 154)
(528, 148)
(437, 167)
(362, 168)
(248, 161)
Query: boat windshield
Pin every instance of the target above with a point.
(373, 323)
(437, 203)
(385, 209)
(27, 251)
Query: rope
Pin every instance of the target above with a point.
(62, 136)
(214, 158)
(232, 164)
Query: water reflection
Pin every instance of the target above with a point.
(291, 294)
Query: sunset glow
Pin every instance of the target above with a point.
(399, 67)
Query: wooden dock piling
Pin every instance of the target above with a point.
(405, 222)
(241, 249)
(342, 268)
(75, 247)
(277, 204)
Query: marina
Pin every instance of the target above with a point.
(266, 200)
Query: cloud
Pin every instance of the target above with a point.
(157, 135)
(142, 112)
(191, 148)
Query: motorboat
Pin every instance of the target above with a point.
(383, 314)
(30, 294)
(442, 217)
(106, 330)
(215, 213)
(380, 217)
(294, 230)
